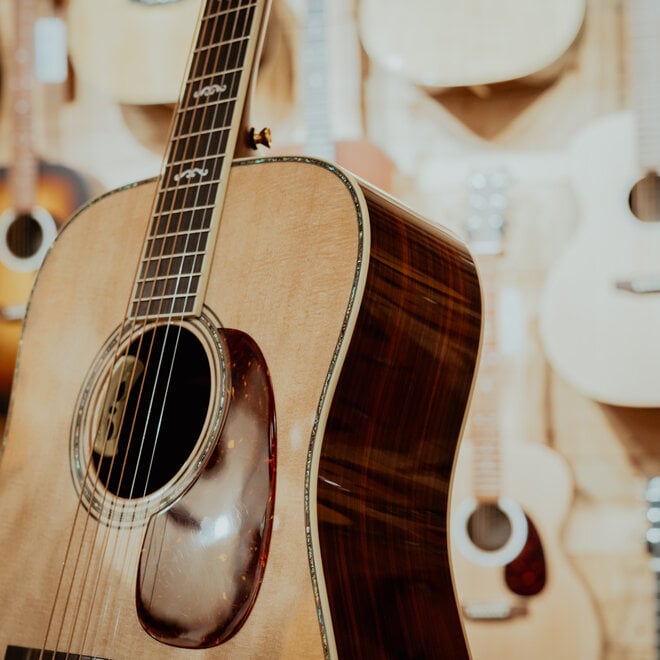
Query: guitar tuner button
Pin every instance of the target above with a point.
(264, 136)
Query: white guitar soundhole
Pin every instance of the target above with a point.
(25, 238)
(489, 534)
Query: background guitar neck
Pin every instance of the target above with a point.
(23, 175)
(316, 93)
(644, 33)
(485, 228)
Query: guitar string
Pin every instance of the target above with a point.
(169, 263)
(88, 470)
(137, 330)
(220, 163)
(161, 304)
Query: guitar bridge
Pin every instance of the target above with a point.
(493, 611)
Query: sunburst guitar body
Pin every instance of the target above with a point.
(60, 191)
(240, 392)
(36, 196)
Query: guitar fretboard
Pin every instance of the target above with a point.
(183, 229)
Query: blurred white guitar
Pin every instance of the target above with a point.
(450, 43)
(518, 593)
(600, 309)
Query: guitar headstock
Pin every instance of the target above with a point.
(487, 204)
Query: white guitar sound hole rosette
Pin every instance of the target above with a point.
(33, 261)
(503, 555)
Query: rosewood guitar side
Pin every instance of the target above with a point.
(390, 444)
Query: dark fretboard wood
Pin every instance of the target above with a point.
(179, 245)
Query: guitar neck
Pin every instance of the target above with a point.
(484, 423)
(485, 226)
(23, 171)
(644, 23)
(316, 83)
(184, 226)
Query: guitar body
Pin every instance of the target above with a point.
(559, 620)
(598, 337)
(438, 44)
(353, 302)
(60, 191)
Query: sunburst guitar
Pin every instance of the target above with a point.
(35, 197)
(240, 391)
(519, 595)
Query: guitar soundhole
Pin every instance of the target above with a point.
(644, 198)
(489, 527)
(24, 236)
(153, 412)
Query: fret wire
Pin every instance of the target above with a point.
(165, 278)
(188, 185)
(175, 286)
(205, 131)
(226, 42)
(226, 72)
(161, 266)
(172, 246)
(205, 161)
(185, 197)
(186, 209)
(166, 297)
(179, 222)
(172, 241)
(175, 255)
(188, 151)
(228, 10)
(186, 232)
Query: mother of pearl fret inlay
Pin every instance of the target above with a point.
(191, 173)
(178, 249)
(209, 90)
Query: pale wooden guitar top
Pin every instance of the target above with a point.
(438, 43)
(135, 51)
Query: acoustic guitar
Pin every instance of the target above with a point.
(443, 43)
(35, 196)
(600, 309)
(240, 393)
(519, 596)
